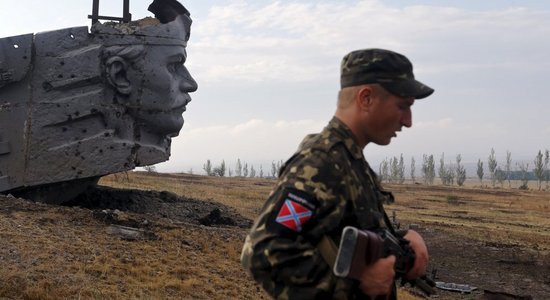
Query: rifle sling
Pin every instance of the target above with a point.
(328, 250)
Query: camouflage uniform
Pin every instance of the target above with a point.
(326, 185)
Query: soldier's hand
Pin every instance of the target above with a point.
(377, 279)
(421, 252)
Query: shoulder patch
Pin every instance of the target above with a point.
(295, 211)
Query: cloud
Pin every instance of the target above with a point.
(469, 56)
(290, 41)
(247, 127)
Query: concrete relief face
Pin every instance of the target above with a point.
(86, 104)
(165, 98)
(157, 89)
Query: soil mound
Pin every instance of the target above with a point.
(161, 205)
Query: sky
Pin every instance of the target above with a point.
(268, 73)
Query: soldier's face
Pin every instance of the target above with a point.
(161, 89)
(389, 114)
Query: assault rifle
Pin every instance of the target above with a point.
(360, 248)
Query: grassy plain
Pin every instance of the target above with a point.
(492, 238)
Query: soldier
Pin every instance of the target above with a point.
(327, 185)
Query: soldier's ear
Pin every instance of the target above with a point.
(115, 69)
(364, 98)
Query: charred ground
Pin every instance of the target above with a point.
(160, 205)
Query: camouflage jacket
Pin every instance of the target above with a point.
(326, 185)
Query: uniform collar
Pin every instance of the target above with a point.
(342, 131)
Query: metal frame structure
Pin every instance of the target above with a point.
(126, 15)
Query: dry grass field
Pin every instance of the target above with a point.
(494, 239)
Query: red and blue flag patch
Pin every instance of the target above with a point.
(293, 215)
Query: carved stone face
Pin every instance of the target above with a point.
(160, 89)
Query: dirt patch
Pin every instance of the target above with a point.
(471, 191)
(488, 266)
(119, 244)
(165, 205)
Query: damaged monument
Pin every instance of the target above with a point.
(76, 105)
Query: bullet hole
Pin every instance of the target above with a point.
(62, 63)
(84, 130)
(47, 86)
(64, 129)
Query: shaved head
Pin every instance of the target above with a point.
(347, 95)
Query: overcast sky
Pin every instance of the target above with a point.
(268, 73)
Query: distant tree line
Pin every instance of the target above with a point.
(242, 169)
(393, 170)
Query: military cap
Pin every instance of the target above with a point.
(391, 70)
